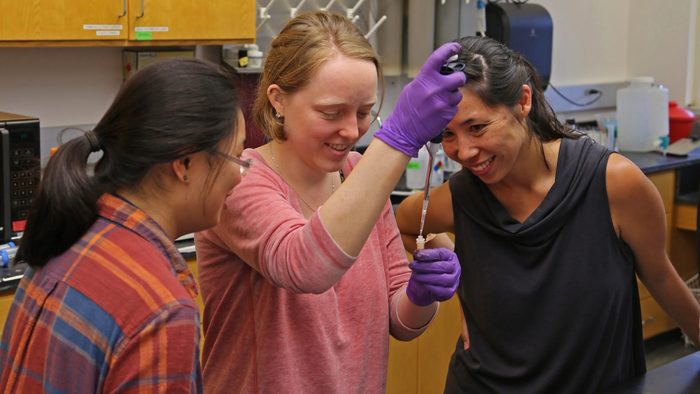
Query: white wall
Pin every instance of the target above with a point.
(610, 41)
(61, 86)
(589, 40)
(661, 44)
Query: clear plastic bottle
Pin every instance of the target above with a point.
(642, 115)
(418, 166)
(415, 170)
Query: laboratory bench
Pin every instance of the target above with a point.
(678, 376)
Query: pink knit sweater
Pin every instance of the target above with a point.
(285, 309)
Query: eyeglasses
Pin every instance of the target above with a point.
(243, 165)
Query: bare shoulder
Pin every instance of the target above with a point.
(630, 193)
(624, 179)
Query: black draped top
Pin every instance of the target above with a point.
(552, 303)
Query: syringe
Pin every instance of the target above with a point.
(432, 147)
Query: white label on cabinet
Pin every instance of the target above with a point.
(108, 32)
(102, 27)
(152, 28)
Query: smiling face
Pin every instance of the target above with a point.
(325, 118)
(488, 141)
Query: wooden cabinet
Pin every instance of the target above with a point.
(5, 303)
(420, 365)
(654, 319)
(680, 246)
(125, 22)
(41, 20)
(191, 20)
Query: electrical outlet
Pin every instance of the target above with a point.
(583, 94)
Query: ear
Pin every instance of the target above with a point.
(276, 96)
(181, 168)
(525, 102)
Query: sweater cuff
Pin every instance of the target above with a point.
(398, 329)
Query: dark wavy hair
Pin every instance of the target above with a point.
(163, 112)
(496, 74)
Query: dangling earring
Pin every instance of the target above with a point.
(279, 118)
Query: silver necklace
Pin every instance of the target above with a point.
(277, 171)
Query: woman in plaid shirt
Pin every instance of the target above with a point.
(108, 304)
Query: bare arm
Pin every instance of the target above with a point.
(638, 214)
(351, 212)
(439, 218)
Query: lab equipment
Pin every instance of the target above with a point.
(7, 254)
(452, 66)
(433, 147)
(20, 150)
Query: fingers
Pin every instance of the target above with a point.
(436, 254)
(455, 81)
(442, 281)
(440, 56)
(435, 267)
(439, 293)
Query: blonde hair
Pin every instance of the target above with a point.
(303, 45)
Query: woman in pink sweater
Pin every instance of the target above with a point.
(306, 277)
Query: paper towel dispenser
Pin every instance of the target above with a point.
(525, 28)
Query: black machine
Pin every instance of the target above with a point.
(525, 28)
(21, 171)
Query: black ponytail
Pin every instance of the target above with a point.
(64, 207)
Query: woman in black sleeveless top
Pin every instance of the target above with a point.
(550, 229)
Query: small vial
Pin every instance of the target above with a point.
(420, 243)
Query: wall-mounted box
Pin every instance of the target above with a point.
(134, 60)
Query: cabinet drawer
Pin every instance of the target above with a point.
(5, 304)
(685, 216)
(654, 319)
(665, 182)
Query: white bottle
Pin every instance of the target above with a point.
(416, 170)
(255, 56)
(642, 115)
(418, 167)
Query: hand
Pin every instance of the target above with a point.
(425, 105)
(435, 276)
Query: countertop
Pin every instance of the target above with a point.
(678, 376)
(650, 162)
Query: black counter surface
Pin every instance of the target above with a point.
(651, 162)
(678, 376)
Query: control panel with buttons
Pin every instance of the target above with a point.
(21, 170)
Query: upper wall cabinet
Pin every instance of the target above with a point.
(40, 20)
(126, 22)
(191, 20)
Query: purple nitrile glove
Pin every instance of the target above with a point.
(435, 276)
(425, 106)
